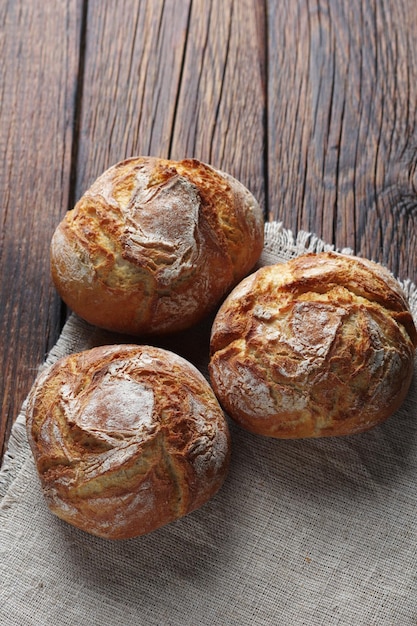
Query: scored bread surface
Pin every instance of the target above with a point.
(126, 439)
(321, 345)
(154, 245)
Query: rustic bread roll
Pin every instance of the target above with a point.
(321, 345)
(154, 245)
(126, 439)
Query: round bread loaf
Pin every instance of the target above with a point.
(322, 345)
(154, 245)
(126, 439)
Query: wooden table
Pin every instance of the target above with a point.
(310, 103)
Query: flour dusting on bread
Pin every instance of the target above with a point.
(154, 245)
(321, 345)
(126, 438)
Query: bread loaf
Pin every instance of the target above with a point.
(321, 345)
(126, 439)
(154, 245)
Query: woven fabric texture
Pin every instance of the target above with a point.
(314, 532)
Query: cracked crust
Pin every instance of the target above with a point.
(322, 345)
(155, 244)
(126, 439)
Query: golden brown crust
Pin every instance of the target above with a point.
(126, 439)
(155, 244)
(322, 345)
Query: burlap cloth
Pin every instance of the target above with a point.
(302, 532)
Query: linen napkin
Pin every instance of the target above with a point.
(307, 532)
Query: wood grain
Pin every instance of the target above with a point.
(174, 79)
(132, 70)
(221, 105)
(38, 88)
(342, 96)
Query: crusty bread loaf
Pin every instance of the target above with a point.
(126, 439)
(154, 245)
(321, 345)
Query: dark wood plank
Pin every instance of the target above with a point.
(133, 61)
(220, 114)
(39, 50)
(174, 79)
(342, 102)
